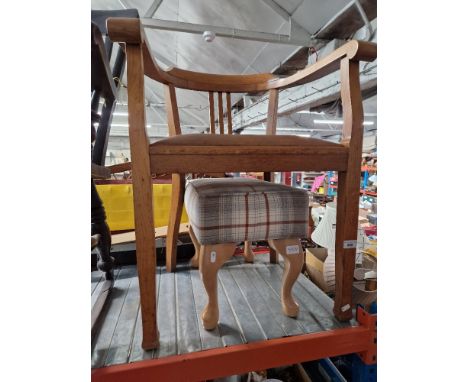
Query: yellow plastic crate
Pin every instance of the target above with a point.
(118, 202)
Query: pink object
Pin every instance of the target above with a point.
(318, 182)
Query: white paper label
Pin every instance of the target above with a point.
(213, 256)
(345, 308)
(292, 250)
(359, 258)
(349, 244)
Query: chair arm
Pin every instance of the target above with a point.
(130, 31)
(354, 50)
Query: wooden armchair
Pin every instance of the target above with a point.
(195, 153)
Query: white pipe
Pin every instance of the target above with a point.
(179, 26)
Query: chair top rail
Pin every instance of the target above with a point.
(130, 31)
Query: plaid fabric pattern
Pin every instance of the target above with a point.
(227, 210)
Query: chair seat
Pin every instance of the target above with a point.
(215, 153)
(233, 210)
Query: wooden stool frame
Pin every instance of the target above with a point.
(147, 159)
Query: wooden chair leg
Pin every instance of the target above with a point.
(273, 256)
(213, 256)
(293, 255)
(347, 211)
(142, 197)
(175, 214)
(195, 260)
(248, 253)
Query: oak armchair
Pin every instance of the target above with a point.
(194, 153)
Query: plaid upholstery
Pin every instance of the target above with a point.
(232, 210)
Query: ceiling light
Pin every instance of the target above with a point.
(282, 129)
(209, 36)
(337, 122)
(310, 112)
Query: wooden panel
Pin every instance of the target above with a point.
(228, 326)
(304, 319)
(167, 315)
(250, 329)
(254, 163)
(229, 112)
(142, 195)
(96, 277)
(257, 304)
(220, 113)
(212, 113)
(99, 299)
(172, 111)
(103, 338)
(124, 330)
(249, 304)
(188, 336)
(290, 326)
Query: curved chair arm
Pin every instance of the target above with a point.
(130, 31)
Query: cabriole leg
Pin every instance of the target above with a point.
(248, 253)
(293, 255)
(213, 256)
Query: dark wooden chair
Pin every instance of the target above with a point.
(104, 84)
(194, 153)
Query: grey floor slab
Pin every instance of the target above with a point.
(249, 302)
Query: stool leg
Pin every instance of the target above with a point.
(248, 253)
(293, 255)
(213, 256)
(194, 261)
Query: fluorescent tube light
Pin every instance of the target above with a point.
(310, 112)
(337, 122)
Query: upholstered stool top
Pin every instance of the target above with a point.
(231, 210)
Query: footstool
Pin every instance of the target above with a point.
(225, 211)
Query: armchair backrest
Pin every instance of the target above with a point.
(346, 59)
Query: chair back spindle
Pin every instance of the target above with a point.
(212, 113)
(229, 112)
(272, 116)
(172, 111)
(220, 113)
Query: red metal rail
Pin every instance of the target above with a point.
(215, 363)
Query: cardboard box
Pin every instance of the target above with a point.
(362, 296)
(322, 275)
